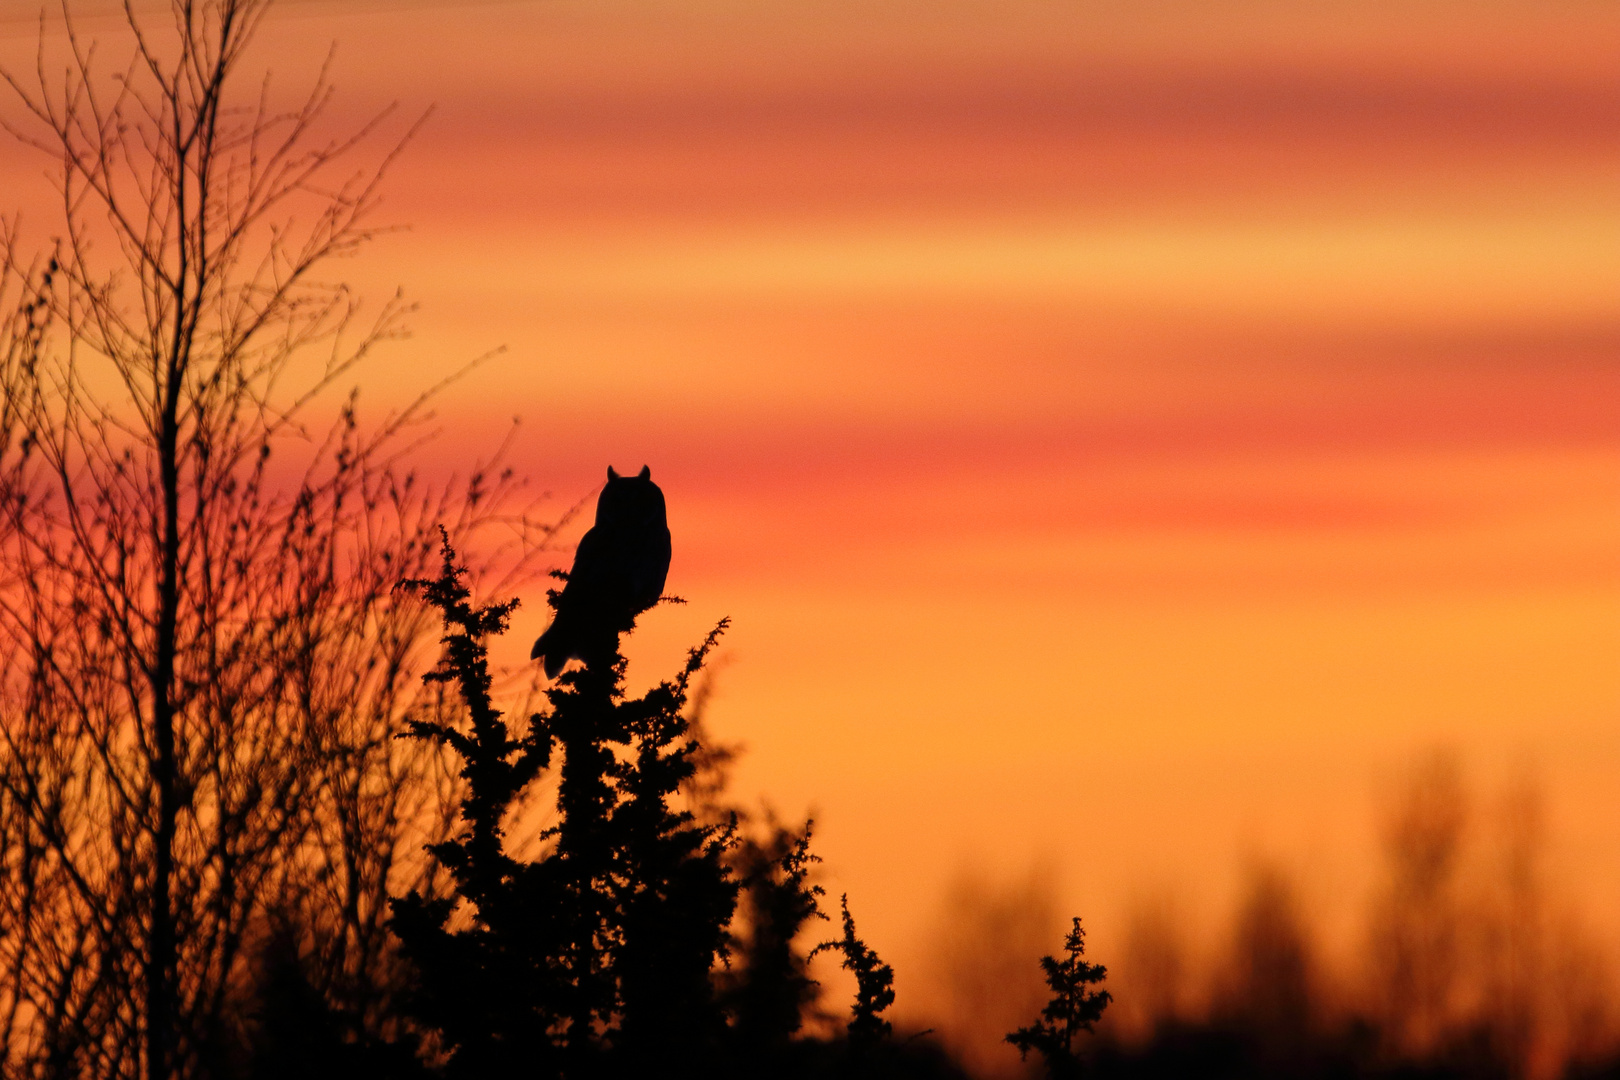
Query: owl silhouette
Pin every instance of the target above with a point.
(619, 571)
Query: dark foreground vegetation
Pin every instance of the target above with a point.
(1352, 1047)
(1464, 961)
(651, 932)
(1458, 956)
(267, 810)
(260, 814)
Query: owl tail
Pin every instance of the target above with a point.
(550, 646)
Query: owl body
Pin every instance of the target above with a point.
(619, 571)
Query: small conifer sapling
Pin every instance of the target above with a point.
(1075, 1007)
(874, 986)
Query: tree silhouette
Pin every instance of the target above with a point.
(202, 661)
(597, 954)
(874, 986)
(647, 935)
(1074, 1007)
(772, 988)
(474, 990)
(1416, 937)
(238, 834)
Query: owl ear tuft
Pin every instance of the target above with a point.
(611, 474)
(646, 473)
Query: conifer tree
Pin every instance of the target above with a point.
(606, 954)
(772, 987)
(477, 986)
(1074, 1008)
(595, 957)
(671, 884)
(874, 987)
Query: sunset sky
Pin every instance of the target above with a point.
(1122, 434)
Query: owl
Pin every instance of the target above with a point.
(619, 571)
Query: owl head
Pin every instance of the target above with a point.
(630, 501)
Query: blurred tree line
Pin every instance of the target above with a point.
(1464, 965)
(1461, 959)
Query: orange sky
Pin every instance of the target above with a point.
(1121, 433)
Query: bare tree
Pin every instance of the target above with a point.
(1271, 984)
(983, 962)
(204, 664)
(1416, 924)
(1154, 968)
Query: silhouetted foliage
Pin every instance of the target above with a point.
(674, 890)
(771, 988)
(874, 986)
(618, 948)
(474, 990)
(1460, 974)
(217, 858)
(1075, 1007)
(1268, 985)
(598, 953)
(1415, 933)
(296, 1031)
(202, 663)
